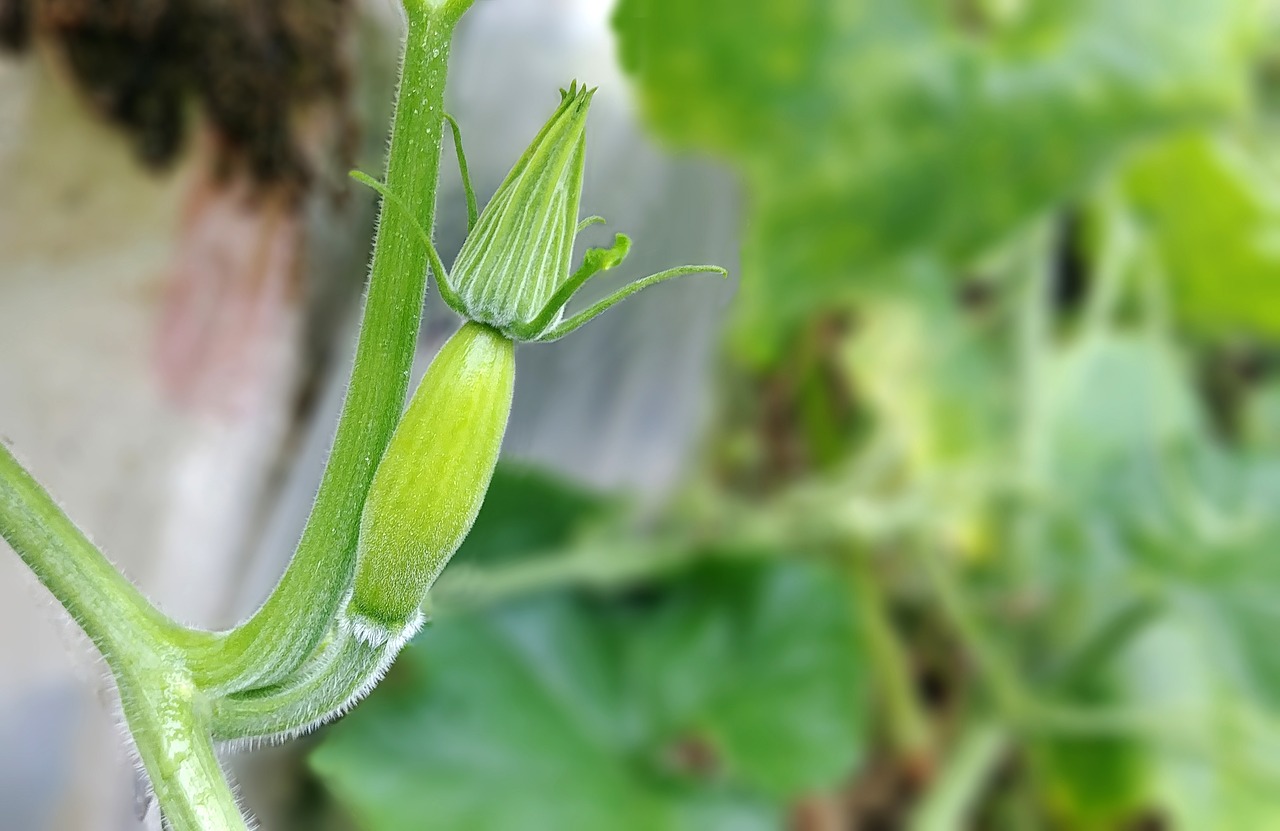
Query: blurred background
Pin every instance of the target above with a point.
(955, 508)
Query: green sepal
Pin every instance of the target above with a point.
(596, 309)
(437, 265)
(594, 261)
(520, 250)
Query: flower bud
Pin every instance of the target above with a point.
(512, 273)
(520, 251)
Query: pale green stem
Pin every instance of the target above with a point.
(286, 630)
(160, 668)
(164, 708)
(1116, 253)
(1034, 335)
(110, 609)
(950, 803)
(907, 725)
(342, 674)
(157, 695)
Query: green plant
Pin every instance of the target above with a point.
(1004, 377)
(399, 493)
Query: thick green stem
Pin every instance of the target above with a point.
(110, 609)
(165, 713)
(342, 674)
(286, 630)
(159, 700)
(165, 673)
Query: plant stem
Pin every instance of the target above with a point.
(1034, 340)
(907, 725)
(156, 693)
(163, 709)
(286, 630)
(110, 609)
(342, 674)
(950, 803)
(1005, 687)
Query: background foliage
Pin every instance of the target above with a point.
(983, 533)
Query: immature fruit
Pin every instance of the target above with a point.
(511, 282)
(432, 481)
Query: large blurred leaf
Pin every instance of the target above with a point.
(1150, 505)
(1212, 214)
(1092, 782)
(1115, 401)
(872, 129)
(1215, 761)
(526, 512)
(705, 706)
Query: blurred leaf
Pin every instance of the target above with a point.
(875, 129)
(1215, 765)
(1115, 400)
(1150, 504)
(1092, 782)
(526, 512)
(1212, 214)
(705, 706)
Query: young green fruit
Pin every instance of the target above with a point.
(433, 478)
(511, 282)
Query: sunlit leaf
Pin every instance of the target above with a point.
(872, 130)
(1212, 214)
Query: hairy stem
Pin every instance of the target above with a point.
(165, 714)
(170, 678)
(110, 609)
(339, 676)
(281, 635)
(159, 700)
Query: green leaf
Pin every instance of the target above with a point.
(1211, 212)
(1094, 782)
(1214, 767)
(526, 512)
(1149, 504)
(705, 705)
(1114, 401)
(875, 130)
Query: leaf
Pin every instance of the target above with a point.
(1095, 783)
(872, 131)
(1150, 504)
(1115, 401)
(1212, 214)
(1214, 765)
(526, 512)
(706, 706)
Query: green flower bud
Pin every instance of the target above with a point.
(513, 272)
(512, 282)
(521, 249)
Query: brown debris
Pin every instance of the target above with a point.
(249, 66)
